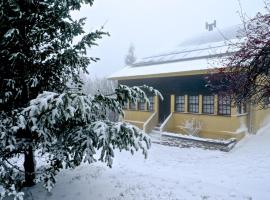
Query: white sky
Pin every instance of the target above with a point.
(154, 25)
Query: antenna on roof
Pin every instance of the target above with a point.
(210, 26)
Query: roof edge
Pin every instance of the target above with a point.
(161, 75)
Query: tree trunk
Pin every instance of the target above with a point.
(29, 167)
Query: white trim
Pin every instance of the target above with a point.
(184, 136)
(165, 122)
(148, 120)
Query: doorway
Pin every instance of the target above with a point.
(164, 108)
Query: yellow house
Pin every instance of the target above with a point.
(180, 75)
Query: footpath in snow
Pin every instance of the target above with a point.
(172, 173)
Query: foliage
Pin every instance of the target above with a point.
(246, 73)
(42, 109)
(99, 86)
(103, 86)
(37, 49)
(68, 129)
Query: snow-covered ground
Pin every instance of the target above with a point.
(172, 173)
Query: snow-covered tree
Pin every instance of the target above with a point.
(130, 57)
(43, 111)
(246, 73)
(99, 85)
(96, 85)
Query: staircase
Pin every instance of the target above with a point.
(157, 127)
(155, 134)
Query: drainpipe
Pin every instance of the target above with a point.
(250, 118)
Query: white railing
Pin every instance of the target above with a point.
(164, 124)
(150, 123)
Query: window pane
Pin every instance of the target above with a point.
(241, 108)
(266, 102)
(180, 103)
(244, 108)
(132, 106)
(224, 105)
(193, 104)
(151, 105)
(208, 104)
(142, 105)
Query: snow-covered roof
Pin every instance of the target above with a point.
(216, 35)
(166, 69)
(192, 56)
(190, 52)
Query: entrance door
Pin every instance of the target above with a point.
(164, 108)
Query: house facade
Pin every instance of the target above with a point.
(180, 76)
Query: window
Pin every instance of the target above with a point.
(266, 102)
(241, 108)
(142, 105)
(208, 104)
(151, 104)
(244, 108)
(132, 106)
(180, 103)
(224, 105)
(193, 104)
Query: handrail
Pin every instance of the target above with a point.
(150, 123)
(165, 123)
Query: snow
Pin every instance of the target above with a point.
(165, 68)
(227, 33)
(182, 59)
(182, 136)
(172, 173)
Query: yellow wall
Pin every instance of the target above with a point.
(136, 115)
(172, 103)
(258, 117)
(213, 126)
(139, 118)
(218, 126)
(150, 124)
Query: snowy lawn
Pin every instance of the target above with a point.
(172, 173)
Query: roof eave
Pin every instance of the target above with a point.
(161, 75)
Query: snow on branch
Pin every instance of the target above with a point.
(71, 128)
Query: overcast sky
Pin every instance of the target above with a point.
(154, 25)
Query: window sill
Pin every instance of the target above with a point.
(240, 115)
(205, 114)
(138, 110)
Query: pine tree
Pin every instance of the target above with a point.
(43, 111)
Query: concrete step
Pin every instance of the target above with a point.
(155, 137)
(156, 128)
(158, 125)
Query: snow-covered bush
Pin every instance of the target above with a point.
(192, 126)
